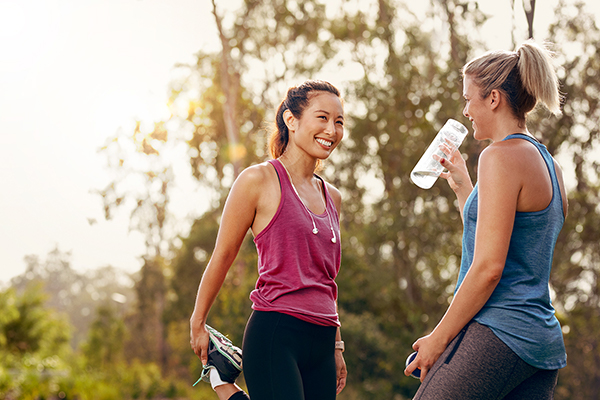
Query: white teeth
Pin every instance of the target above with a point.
(325, 142)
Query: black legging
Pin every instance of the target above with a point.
(479, 366)
(286, 358)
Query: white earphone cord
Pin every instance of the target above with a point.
(315, 230)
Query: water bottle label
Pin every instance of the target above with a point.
(428, 169)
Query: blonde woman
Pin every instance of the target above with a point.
(499, 338)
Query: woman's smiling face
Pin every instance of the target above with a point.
(476, 108)
(321, 126)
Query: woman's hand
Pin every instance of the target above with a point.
(429, 350)
(199, 340)
(457, 175)
(341, 372)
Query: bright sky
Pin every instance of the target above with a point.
(72, 72)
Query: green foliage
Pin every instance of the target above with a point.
(581, 378)
(189, 265)
(32, 377)
(74, 294)
(8, 314)
(28, 327)
(104, 346)
(34, 344)
(146, 325)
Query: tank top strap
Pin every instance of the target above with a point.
(330, 204)
(288, 190)
(284, 180)
(556, 193)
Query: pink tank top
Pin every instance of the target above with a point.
(297, 268)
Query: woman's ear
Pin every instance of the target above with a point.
(290, 120)
(494, 99)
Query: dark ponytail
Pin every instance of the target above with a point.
(296, 100)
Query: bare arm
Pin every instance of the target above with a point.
(237, 218)
(499, 187)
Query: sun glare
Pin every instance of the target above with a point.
(27, 34)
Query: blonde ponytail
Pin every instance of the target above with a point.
(524, 77)
(538, 75)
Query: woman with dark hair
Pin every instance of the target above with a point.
(499, 338)
(292, 343)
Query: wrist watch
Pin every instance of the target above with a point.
(339, 345)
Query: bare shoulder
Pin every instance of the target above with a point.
(508, 147)
(253, 182)
(256, 175)
(503, 167)
(509, 155)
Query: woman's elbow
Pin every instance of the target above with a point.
(487, 271)
(493, 273)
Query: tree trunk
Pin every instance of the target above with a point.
(529, 6)
(230, 84)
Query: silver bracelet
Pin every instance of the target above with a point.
(339, 345)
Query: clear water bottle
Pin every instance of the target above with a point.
(428, 169)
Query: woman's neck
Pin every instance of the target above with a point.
(507, 126)
(302, 168)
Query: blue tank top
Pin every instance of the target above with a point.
(519, 310)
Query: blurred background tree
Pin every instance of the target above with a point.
(401, 244)
(75, 295)
(575, 139)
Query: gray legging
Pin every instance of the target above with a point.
(479, 366)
